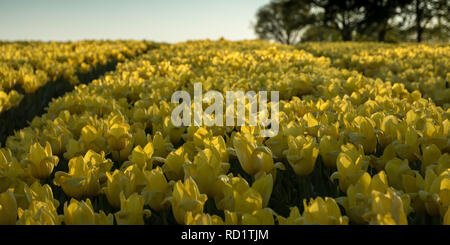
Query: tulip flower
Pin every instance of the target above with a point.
(117, 183)
(39, 213)
(302, 154)
(205, 169)
(84, 176)
(436, 192)
(118, 136)
(322, 212)
(264, 185)
(186, 197)
(8, 208)
(252, 158)
(446, 220)
(202, 219)
(294, 218)
(351, 165)
(156, 190)
(356, 203)
(431, 154)
(174, 164)
(41, 161)
(395, 170)
(237, 196)
(132, 210)
(82, 213)
(259, 217)
(142, 157)
(329, 149)
(386, 209)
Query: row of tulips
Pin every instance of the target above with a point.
(27, 66)
(423, 67)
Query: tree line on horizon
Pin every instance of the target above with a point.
(292, 21)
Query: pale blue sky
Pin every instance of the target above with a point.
(163, 20)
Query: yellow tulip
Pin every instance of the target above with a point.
(351, 165)
(39, 213)
(431, 154)
(294, 218)
(264, 185)
(132, 210)
(186, 197)
(356, 203)
(363, 133)
(259, 217)
(136, 177)
(118, 136)
(395, 170)
(237, 196)
(156, 190)
(390, 130)
(162, 145)
(142, 157)
(202, 219)
(302, 154)
(205, 169)
(82, 213)
(329, 149)
(379, 162)
(322, 212)
(251, 157)
(116, 183)
(41, 161)
(85, 175)
(8, 208)
(386, 209)
(436, 192)
(173, 165)
(446, 220)
(73, 148)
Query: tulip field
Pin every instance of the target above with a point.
(364, 134)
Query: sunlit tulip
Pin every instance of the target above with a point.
(294, 218)
(329, 149)
(322, 212)
(41, 161)
(8, 208)
(386, 209)
(237, 196)
(202, 219)
(186, 197)
(118, 136)
(82, 213)
(264, 185)
(446, 220)
(132, 210)
(117, 183)
(85, 175)
(351, 165)
(174, 164)
(252, 158)
(302, 154)
(395, 170)
(142, 157)
(39, 213)
(156, 190)
(259, 217)
(205, 169)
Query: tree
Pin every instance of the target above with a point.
(380, 17)
(422, 16)
(342, 15)
(283, 20)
